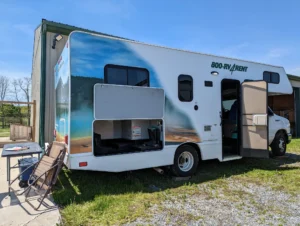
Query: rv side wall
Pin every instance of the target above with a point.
(192, 107)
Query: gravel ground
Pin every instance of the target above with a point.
(230, 204)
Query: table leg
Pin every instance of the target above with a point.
(8, 174)
(7, 168)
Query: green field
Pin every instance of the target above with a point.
(4, 132)
(95, 198)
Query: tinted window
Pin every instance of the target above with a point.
(271, 77)
(267, 76)
(137, 77)
(122, 75)
(270, 112)
(116, 76)
(275, 78)
(185, 88)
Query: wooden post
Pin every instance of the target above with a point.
(33, 122)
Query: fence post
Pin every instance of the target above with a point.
(33, 122)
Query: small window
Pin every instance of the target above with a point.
(122, 75)
(185, 88)
(271, 77)
(208, 83)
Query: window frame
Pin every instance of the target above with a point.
(124, 67)
(271, 73)
(178, 88)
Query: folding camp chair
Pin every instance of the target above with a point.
(45, 172)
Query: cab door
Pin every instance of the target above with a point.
(254, 112)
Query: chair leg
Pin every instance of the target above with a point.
(27, 193)
(44, 196)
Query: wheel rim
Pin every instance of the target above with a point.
(185, 161)
(281, 145)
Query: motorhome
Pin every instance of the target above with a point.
(123, 105)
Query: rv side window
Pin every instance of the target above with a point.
(116, 76)
(138, 77)
(122, 75)
(271, 77)
(185, 88)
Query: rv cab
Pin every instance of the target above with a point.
(279, 133)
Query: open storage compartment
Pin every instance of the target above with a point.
(127, 136)
(127, 119)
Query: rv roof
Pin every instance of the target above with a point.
(73, 28)
(182, 50)
(66, 29)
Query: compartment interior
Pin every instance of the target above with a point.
(125, 136)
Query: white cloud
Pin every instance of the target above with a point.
(11, 7)
(234, 51)
(8, 52)
(14, 73)
(294, 71)
(27, 29)
(120, 8)
(278, 52)
(274, 56)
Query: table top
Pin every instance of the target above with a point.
(34, 148)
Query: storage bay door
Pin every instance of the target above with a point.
(117, 102)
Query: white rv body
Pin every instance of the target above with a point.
(86, 57)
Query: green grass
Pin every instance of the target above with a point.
(5, 132)
(96, 198)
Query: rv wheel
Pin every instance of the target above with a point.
(185, 161)
(278, 145)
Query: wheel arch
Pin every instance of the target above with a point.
(194, 145)
(281, 131)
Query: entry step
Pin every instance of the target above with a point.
(231, 157)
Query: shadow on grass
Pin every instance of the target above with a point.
(83, 186)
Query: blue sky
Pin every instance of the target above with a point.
(263, 31)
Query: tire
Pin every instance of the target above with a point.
(23, 184)
(186, 161)
(278, 145)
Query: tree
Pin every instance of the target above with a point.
(25, 86)
(4, 83)
(21, 90)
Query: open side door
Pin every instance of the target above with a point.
(255, 123)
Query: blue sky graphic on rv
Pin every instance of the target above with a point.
(89, 54)
(62, 77)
